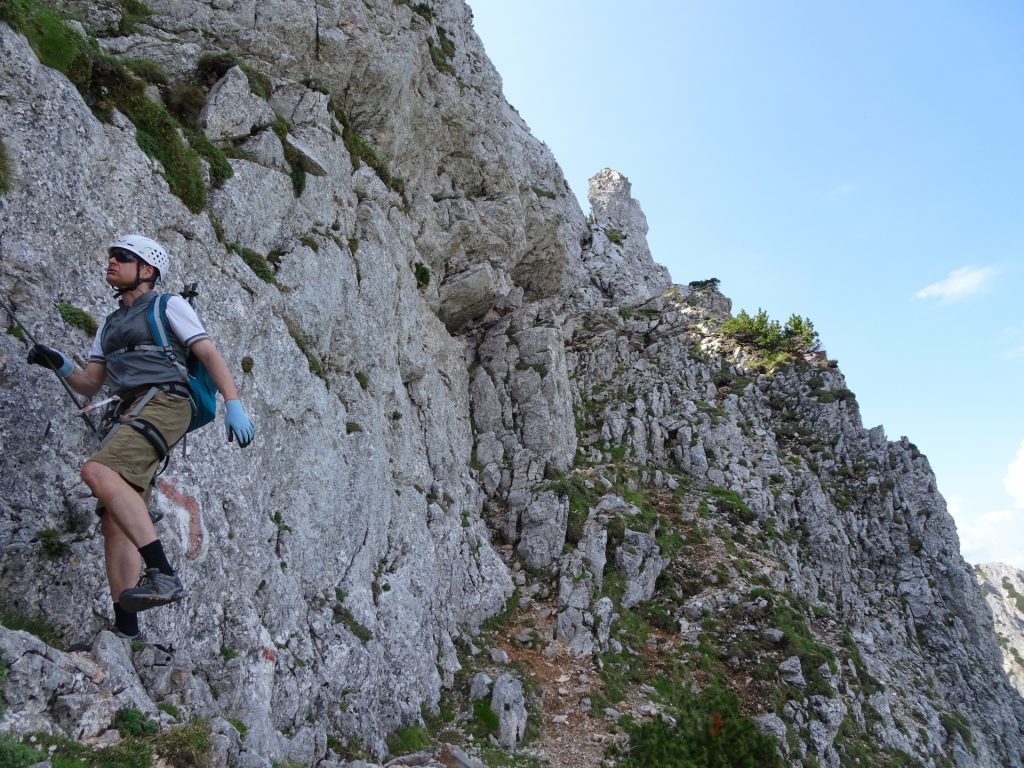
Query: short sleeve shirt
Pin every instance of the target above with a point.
(181, 317)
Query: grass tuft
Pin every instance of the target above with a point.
(257, 262)
(16, 619)
(5, 170)
(78, 318)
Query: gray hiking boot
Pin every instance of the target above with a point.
(154, 589)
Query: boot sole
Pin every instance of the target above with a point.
(137, 603)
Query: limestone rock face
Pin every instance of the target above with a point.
(350, 533)
(618, 257)
(1003, 587)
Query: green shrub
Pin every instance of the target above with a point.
(57, 45)
(580, 498)
(14, 618)
(1018, 598)
(439, 58)
(484, 720)
(710, 732)
(800, 642)
(614, 235)
(760, 332)
(711, 283)
(955, 723)
(14, 754)
(78, 318)
(170, 709)
(360, 151)
(302, 341)
(291, 155)
(5, 170)
(148, 70)
(423, 9)
(133, 13)
(187, 746)
(220, 168)
(186, 101)
(407, 740)
(256, 261)
(422, 272)
(213, 65)
(50, 541)
(106, 83)
(730, 504)
(131, 722)
(343, 616)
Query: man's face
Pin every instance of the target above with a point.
(122, 268)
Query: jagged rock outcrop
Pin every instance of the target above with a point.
(1003, 587)
(618, 258)
(461, 387)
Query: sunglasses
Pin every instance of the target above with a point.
(123, 257)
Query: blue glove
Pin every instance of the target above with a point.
(48, 357)
(237, 424)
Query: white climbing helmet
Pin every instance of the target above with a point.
(149, 251)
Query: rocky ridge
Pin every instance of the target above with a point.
(1003, 587)
(467, 393)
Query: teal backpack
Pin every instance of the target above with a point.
(201, 387)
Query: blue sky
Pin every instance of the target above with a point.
(858, 163)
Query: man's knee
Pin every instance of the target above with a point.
(92, 474)
(100, 477)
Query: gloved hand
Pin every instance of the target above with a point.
(237, 424)
(48, 357)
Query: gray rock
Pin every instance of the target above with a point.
(573, 629)
(480, 688)
(620, 261)
(791, 671)
(773, 635)
(774, 726)
(265, 148)
(639, 558)
(508, 703)
(454, 757)
(232, 111)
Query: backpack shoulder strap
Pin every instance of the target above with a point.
(156, 316)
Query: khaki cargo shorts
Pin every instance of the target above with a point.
(132, 455)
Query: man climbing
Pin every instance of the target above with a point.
(152, 412)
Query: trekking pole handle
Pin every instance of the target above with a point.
(67, 387)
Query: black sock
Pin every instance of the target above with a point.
(126, 621)
(153, 554)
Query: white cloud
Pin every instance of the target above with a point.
(995, 537)
(842, 190)
(965, 281)
(1014, 480)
